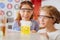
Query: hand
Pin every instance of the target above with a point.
(33, 31)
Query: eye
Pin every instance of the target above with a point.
(44, 16)
(23, 10)
(29, 11)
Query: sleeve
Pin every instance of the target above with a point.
(35, 25)
(15, 26)
(58, 37)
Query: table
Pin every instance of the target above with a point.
(15, 35)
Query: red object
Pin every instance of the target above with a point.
(9, 6)
(37, 4)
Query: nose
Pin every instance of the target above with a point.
(25, 13)
(41, 19)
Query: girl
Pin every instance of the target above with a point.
(48, 16)
(25, 17)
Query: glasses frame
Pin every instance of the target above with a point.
(45, 16)
(26, 10)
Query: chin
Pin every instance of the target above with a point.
(42, 25)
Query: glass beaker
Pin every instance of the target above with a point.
(2, 24)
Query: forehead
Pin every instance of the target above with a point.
(26, 6)
(43, 12)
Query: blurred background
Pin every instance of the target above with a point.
(9, 8)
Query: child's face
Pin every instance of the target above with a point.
(45, 19)
(26, 12)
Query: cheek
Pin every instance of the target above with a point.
(30, 15)
(21, 14)
(49, 22)
(44, 23)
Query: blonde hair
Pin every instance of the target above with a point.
(52, 12)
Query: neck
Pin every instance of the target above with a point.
(50, 28)
(26, 19)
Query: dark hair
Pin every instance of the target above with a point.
(53, 12)
(29, 3)
(26, 2)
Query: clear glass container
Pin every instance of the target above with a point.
(2, 24)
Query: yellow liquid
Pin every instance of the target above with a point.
(25, 30)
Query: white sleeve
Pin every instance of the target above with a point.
(58, 37)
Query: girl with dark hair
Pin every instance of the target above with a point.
(25, 17)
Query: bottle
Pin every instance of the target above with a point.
(2, 24)
(25, 27)
(25, 30)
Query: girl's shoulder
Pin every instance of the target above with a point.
(34, 21)
(15, 21)
(57, 34)
(58, 31)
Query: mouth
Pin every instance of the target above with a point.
(42, 23)
(26, 16)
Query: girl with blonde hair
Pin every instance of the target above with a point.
(49, 15)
